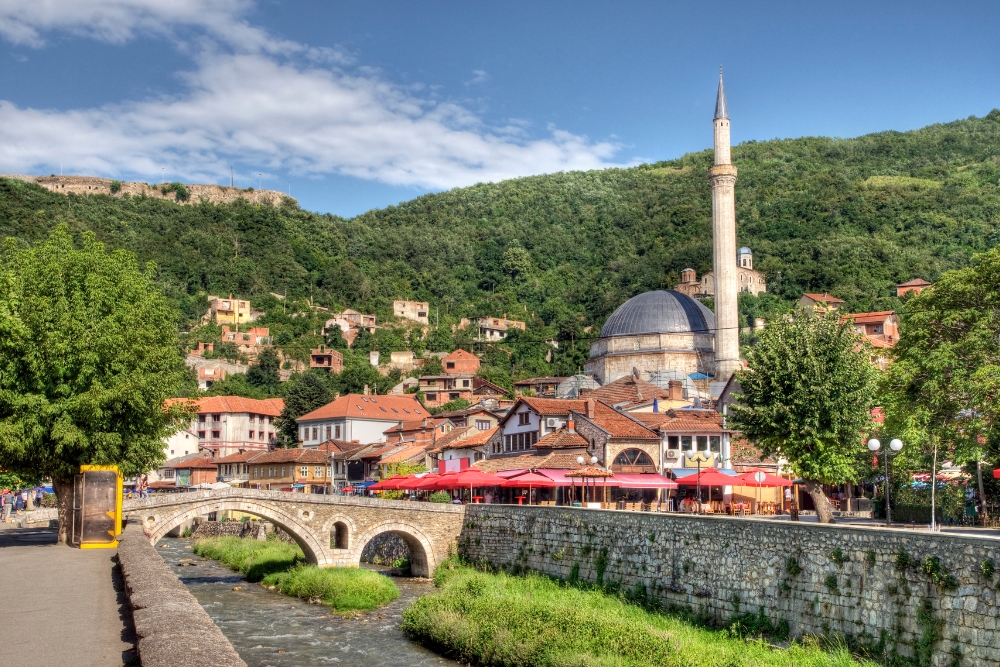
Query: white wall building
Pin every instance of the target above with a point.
(358, 418)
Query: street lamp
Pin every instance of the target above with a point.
(704, 454)
(895, 445)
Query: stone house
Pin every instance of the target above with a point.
(291, 470)
(357, 417)
(416, 311)
(915, 285)
(542, 387)
(685, 432)
(491, 328)
(424, 432)
(226, 425)
(441, 389)
(619, 439)
(466, 442)
(326, 359)
(460, 362)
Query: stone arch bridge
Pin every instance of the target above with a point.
(332, 530)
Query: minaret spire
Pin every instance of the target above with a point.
(723, 178)
(720, 100)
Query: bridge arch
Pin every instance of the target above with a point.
(342, 531)
(423, 559)
(157, 522)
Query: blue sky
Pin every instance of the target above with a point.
(357, 105)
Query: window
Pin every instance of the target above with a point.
(255, 473)
(305, 471)
(453, 396)
(523, 419)
(315, 433)
(168, 473)
(251, 435)
(260, 435)
(217, 418)
(432, 397)
(686, 442)
(702, 443)
(465, 383)
(329, 429)
(252, 418)
(319, 471)
(201, 436)
(282, 471)
(713, 443)
(201, 419)
(450, 365)
(673, 442)
(483, 424)
(215, 434)
(633, 457)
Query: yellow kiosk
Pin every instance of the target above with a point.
(97, 508)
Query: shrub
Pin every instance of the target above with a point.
(440, 497)
(342, 588)
(116, 186)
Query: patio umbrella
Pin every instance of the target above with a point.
(412, 482)
(529, 481)
(760, 478)
(469, 478)
(708, 477)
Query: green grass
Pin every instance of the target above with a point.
(282, 566)
(498, 619)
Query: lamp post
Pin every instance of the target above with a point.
(704, 454)
(895, 445)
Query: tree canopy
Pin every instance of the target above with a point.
(306, 393)
(807, 396)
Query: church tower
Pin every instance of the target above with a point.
(723, 177)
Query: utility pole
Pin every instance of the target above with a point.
(260, 181)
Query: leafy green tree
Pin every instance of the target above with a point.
(335, 338)
(945, 375)
(516, 262)
(264, 373)
(457, 404)
(807, 396)
(238, 384)
(307, 392)
(88, 355)
(358, 374)
(440, 340)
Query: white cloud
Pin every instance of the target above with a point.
(478, 76)
(267, 102)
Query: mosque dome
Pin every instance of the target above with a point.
(660, 311)
(744, 251)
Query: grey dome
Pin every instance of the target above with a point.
(744, 251)
(661, 311)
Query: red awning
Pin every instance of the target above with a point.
(710, 477)
(750, 479)
(643, 481)
(529, 480)
(559, 477)
(511, 473)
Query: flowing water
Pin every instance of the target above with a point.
(269, 629)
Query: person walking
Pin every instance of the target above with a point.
(39, 494)
(18, 502)
(6, 498)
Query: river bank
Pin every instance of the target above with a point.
(499, 620)
(269, 629)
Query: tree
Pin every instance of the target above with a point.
(335, 338)
(945, 376)
(516, 262)
(89, 354)
(807, 396)
(264, 373)
(358, 374)
(306, 393)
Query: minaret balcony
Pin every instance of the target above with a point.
(717, 170)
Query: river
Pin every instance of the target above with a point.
(269, 629)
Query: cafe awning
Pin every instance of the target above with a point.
(644, 481)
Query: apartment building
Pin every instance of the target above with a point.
(227, 425)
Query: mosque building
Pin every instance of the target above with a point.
(669, 331)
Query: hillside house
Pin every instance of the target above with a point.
(441, 389)
(416, 311)
(351, 322)
(819, 304)
(460, 362)
(544, 387)
(912, 286)
(222, 310)
(326, 359)
(358, 417)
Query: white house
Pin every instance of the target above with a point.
(355, 417)
(530, 420)
(226, 425)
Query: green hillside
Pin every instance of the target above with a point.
(848, 216)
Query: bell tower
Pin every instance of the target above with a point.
(723, 178)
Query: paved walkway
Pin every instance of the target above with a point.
(59, 604)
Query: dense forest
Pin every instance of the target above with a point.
(849, 216)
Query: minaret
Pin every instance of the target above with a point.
(723, 178)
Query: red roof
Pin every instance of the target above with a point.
(241, 457)
(554, 406)
(826, 298)
(692, 420)
(300, 455)
(404, 454)
(869, 318)
(619, 425)
(562, 439)
(356, 406)
(268, 406)
(628, 389)
(459, 354)
(199, 463)
(531, 381)
(555, 460)
(915, 282)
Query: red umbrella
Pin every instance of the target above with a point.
(761, 478)
(710, 477)
(469, 477)
(528, 481)
(430, 482)
(412, 482)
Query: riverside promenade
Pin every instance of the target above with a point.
(61, 606)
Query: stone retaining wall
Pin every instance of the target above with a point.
(866, 584)
(173, 630)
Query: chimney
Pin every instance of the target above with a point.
(367, 390)
(590, 408)
(675, 390)
(571, 425)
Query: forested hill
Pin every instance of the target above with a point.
(848, 216)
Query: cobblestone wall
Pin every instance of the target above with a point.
(864, 583)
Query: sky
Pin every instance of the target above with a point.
(357, 105)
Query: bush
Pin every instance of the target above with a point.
(116, 186)
(342, 588)
(440, 497)
(254, 558)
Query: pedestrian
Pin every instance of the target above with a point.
(144, 487)
(18, 502)
(39, 494)
(5, 501)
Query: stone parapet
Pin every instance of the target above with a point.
(172, 629)
(821, 579)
